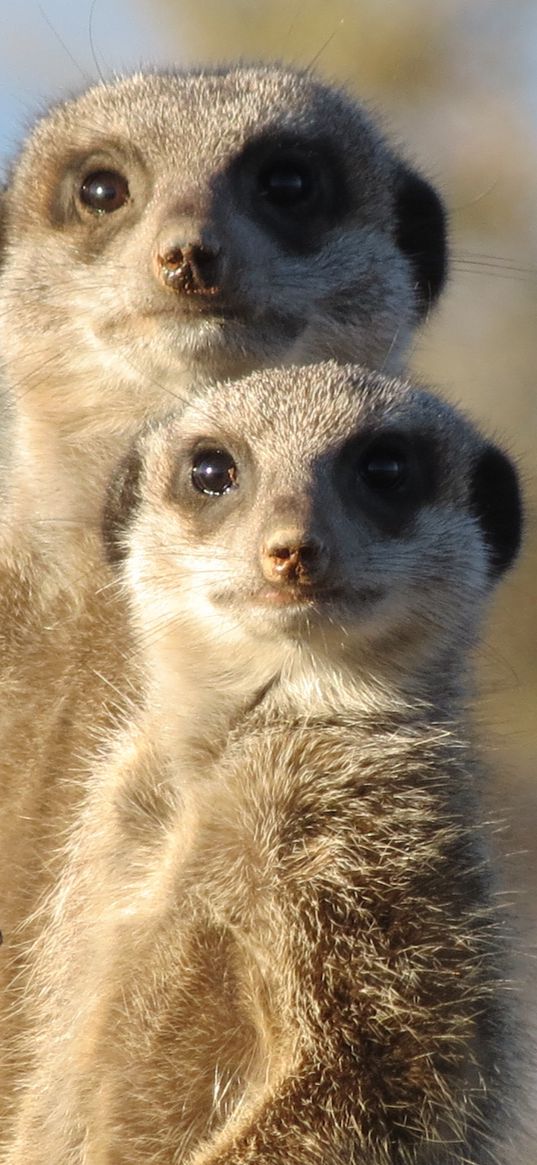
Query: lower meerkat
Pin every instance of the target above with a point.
(275, 938)
(158, 232)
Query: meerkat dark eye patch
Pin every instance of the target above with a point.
(214, 472)
(104, 191)
(495, 500)
(122, 500)
(388, 476)
(294, 186)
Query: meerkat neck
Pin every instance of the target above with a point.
(370, 684)
(294, 686)
(58, 480)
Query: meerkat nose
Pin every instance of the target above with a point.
(291, 557)
(188, 265)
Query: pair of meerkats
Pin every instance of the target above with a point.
(247, 903)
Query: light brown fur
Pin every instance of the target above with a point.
(63, 677)
(274, 938)
(93, 342)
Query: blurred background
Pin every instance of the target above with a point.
(456, 84)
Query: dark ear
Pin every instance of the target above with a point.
(122, 500)
(496, 502)
(421, 233)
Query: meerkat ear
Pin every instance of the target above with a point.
(122, 500)
(421, 234)
(495, 500)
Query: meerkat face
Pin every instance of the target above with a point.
(209, 224)
(319, 505)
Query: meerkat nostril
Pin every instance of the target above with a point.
(204, 263)
(309, 552)
(294, 548)
(190, 268)
(172, 259)
(201, 255)
(289, 559)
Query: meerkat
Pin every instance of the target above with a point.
(160, 231)
(275, 938)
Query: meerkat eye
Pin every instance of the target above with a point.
(383, 466)
(286, 182)
(214, 472)
(104, 191)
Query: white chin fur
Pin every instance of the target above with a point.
(207, 347)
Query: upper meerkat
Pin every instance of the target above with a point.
(284, 945)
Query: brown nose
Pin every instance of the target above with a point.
(291, 558)
(192, 268)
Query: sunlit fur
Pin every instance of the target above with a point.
(275, 937)
(92, 344)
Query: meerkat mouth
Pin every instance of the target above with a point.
(212, 325)
(211, 309)
(298, 597)
(314, 600)
(202, 309)
(317, 603)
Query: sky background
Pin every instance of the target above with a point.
(50, 46)
(47, 48)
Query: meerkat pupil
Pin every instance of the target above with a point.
(104, 191)
(384, 465)
(286, 182)
(214, 472)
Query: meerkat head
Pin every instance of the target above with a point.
(173, 226)
(321, 507)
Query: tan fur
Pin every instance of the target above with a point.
(63, 677)
(274, 938)
(93, 342)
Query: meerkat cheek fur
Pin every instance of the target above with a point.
(285, 943)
